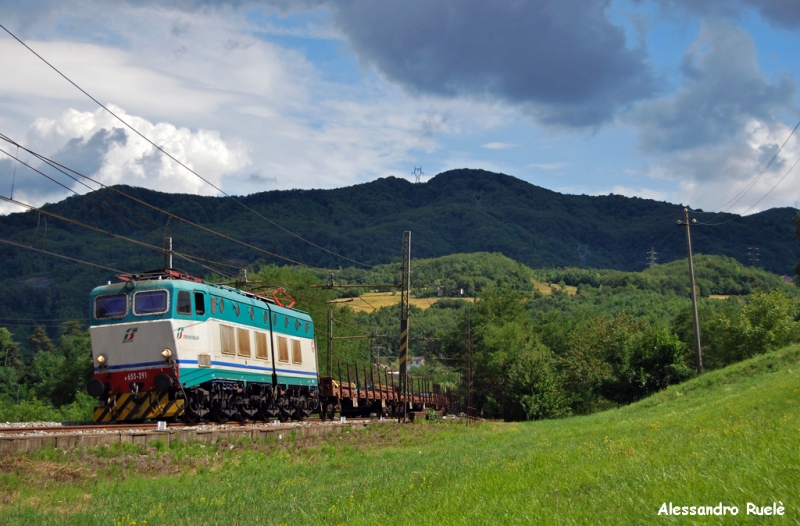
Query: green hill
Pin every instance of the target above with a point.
(459, 211)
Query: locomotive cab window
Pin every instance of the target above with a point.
(150, 302)
(111, 306)
(199, 303)
(184, 302)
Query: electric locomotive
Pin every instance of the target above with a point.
(169, 346)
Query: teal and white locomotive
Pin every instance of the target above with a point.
(169, 346)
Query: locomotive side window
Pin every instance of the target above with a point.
(221, 305)
(111, 306)
(261, 346)
(227, 339)
(213, 305)
(236, 308)
(150, 302)
(184, 302)
(252, 313)
(243, 339)
(286, 321)
(283, 349)
(199, 303)
(297, 355)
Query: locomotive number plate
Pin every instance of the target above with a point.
(141, 375)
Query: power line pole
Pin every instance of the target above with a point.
(651, 260)
(168, 252)
(699, 353)
(753, 256)
(469, 362)
(404, 312)
(330, 342)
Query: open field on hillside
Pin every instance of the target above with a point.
(728, 437)
(547, 288)
(371, 301)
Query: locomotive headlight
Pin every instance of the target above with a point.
(101, 359)
(166, 353)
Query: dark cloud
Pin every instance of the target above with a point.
(780, 13)
(86, 156)
(563, 59)
(723, 90)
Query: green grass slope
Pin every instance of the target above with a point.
(731, 436)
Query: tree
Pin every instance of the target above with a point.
(797, 237)
(620, 360)
(515, 374)
(11, 370)
(763, 323)
(57, 375)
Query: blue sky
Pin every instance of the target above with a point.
(673, 100)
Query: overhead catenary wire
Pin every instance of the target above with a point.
(42, 251)
(752, 183)
(159, 148)
(84, 225)
(762, 197)
(175, 216)
(63, 170)
(136, 225)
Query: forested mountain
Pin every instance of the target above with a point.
(458, 211)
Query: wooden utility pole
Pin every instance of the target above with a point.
(404, 312)
(330, 342)
(699, 354)
(469, 361)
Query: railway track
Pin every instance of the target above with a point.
(101, 428)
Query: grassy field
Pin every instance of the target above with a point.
(371, 301)
(730, 437)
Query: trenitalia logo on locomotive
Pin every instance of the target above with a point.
(129, 334)
(180, 335)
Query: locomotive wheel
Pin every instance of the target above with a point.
(190, 417)
(219, 416)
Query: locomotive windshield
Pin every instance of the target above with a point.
(150, 302)
(111, 306)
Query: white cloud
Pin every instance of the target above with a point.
(129, 159)
(499, 145)
(548, 166)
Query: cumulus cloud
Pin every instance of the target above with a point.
(723, 90)
(97, 145)
(721, 127)
(780, 13)
(562, 59)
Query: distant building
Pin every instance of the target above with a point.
(788, 280)
(416, 361)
